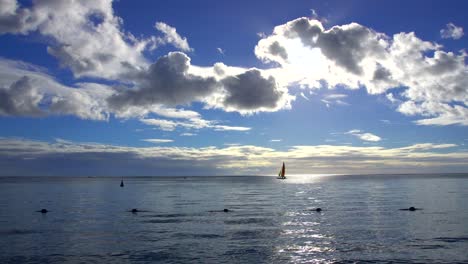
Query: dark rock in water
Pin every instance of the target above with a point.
(318, 209)
(43, 211)
(410, 209)
(134, 210)
(226, 210)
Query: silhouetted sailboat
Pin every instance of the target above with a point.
(282, 172)
(121, 183)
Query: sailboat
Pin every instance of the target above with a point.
(282, 172)
(121, 183)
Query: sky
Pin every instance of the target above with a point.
(134, 88)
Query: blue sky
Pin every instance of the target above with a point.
(228, 88)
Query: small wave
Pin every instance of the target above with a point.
(246, 221)
(196, 236)
(452, 239)
(18, 232)
(166, 215)
(166, 221)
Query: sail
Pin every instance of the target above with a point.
(282, 172)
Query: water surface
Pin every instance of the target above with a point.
(271, 221)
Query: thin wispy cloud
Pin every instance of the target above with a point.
(364, 136)
(158, 140)
(220, 51)
(233, 159)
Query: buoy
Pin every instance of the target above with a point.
(226, 210)
(412, 208)
(134, 210)
(43, 211)
(318, 209)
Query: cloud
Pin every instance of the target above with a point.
(166, 82)
(251, 91)
(334, 99)
(20, 99)
(27, 157)
(198, 123)
(187, 134)
(451, 31)
(86, 36)
(364, 136)
(28, 91)
(172, 37)
(230, 128)
(158, 140)
(275, 140)
(304, 96)
(166, 125)
(220, 51)
(170, 82)
(434, 81)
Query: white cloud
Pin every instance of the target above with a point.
(355, 56)
(275, 140)
(191, 123)
(220, 51)
(29, 91)
(86, 35)
(166, 125)
(172, 37)
(364, 136)
(304, 96)
(334, 99)
(368, 137)
(158, 140)
(451, 31)
(230, 128)
(187, 134)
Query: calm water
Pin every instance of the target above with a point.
(89, 220)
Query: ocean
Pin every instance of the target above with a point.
(181, 219)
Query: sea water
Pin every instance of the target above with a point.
(269, 220)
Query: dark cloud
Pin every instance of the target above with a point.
(349, 45)
(382, 74)
(276, 49)
(346, 45)
(307, 30)
(20, 99)
(165, 82)
(249, 91)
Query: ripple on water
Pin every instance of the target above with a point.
(250, 220)
(18, 232)
(452, 239)
(196, 236)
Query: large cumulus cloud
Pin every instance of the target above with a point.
(167, 82)
(352, 55)
(170, 82)
(86, 35)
